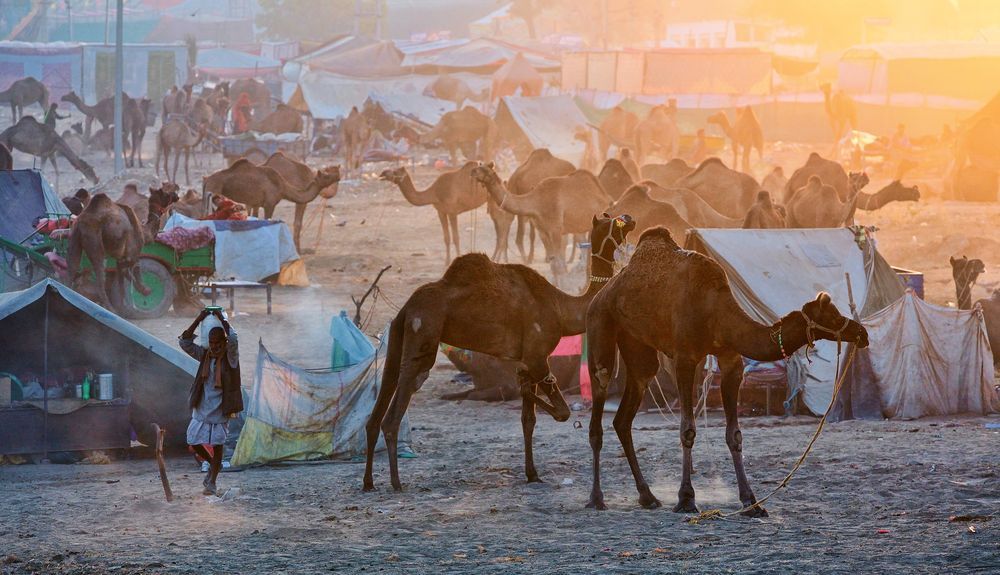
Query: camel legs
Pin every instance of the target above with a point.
(443, 218)
(187, 160)
(602, 348)
(641, 365)
(455, 238)
(300, 212)
(522, 222)
(177, 163)
(685, 369)
(390, 382)
(731, 379)
(746, 159)
(501, 227)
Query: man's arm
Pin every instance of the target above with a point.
(232, 340)
(186, 340)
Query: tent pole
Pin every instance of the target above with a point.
(45, 379)
(119, 81)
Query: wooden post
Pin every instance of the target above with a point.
(161, 463)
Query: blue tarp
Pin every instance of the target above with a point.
(350, 346)
(25, 196)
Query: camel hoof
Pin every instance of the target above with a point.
(756, 512)
(650, 502)
(597, 504)
(368, 488)
(686, 507)
(397, 486)
(534, 479)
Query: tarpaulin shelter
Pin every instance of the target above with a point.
(234, 64)
(774, 272)
(48, 330)
(377, 60)
(516, 75)
(25, 196)
(295, 414)
(931, 360)
(545, 122)
(248, 250)
(423, 109)
(921, 74)
(327, 96)
(489, 54)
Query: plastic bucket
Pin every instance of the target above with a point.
(107, 390)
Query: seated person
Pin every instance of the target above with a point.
(226, 209)
(77, 201)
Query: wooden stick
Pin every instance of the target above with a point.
(358, 303)
(322, 218)
(161, 463)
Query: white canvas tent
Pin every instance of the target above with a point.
(774, 272)
(545, 122)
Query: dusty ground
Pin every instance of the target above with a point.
(873, 497)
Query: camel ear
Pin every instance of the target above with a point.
(595, 221)
(952, 260)
(823, 298)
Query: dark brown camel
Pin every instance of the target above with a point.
(832, 174)
(816, 205)
(763, 214)
(614, 178)
(160, 200)
(679, 303)
(30, 136)
(731, 193)
(451, 194)
(468, 130)
(991, 316)
(264, 187)
(24, 92)
(539, 164)
(106, 229)
(508, 311)
(103, 112)
(301, 177)
(134, 122)
(965, 272)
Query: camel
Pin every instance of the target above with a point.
(730, 192)
(840, 111)
(283, 120)
(774, 182)
(103, 112)
(614, 178)
(648, 212)
(691, 206)
(191, 204)
(202, 114)
(991, 316)
(590, 161)
(679, 303)
(455, 90)
(965, 272)
(24, 92)
(451, 194)
(134, 123)
(30, 136)
(379, 119)
(831, 172)
(264, 187)
(666, 174)
(618, 128)
(106, 229)
(540, 164)
(744, 133)
(763, 214)
(301, 179)
(559, 206)
(159, 203)
(355, 133)
(815, 205)
(507, 311)
(625, 157)
(174, 102)
(468, 130)
(176, 136)
(657, 134)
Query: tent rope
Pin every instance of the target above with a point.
(718, 513)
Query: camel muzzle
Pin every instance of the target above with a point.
(556, 405)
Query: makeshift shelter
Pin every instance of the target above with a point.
(488, 54)
(327, 96)
(25, 196)
(248, 250)
(377, 60)
(422, 109)
(545, 122)
(58, 65)
(233, 64)
(774, 272)
(295, 414)
(517, 75)
(50, 336)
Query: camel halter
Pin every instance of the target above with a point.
(811, 326)
(619, 223)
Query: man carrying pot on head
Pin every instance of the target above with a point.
(215, 395)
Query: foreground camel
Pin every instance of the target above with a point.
(451, 194)
(508, 311)
(30, 136)
(730, 192)
(558, 206)
(657, 134)
(649, 212)
(831, 172)
(679, 303)
(468, 130)
(24, 92)
(991, 316)
(667, 174)
(106, 229)
(763, 214)
(840, 110)
(540, 164)
(618, 128)
(744, 133)
(283, 120)
(263, 187)
(965, 272)
(304, 185)
(177, 136)
(816, 205)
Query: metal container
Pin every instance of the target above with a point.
(107, 390)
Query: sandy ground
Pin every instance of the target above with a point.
(873, 497)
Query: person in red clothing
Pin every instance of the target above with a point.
(226, 209)
(241, 113)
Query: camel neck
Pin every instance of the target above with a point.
(573, 309)
(414, 196)
(759, 341)
(513, 203)
(871, 202)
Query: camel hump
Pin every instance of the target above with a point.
(707, 163)
(469, 268)
(764, 197)
(658, 234)
(99, 202)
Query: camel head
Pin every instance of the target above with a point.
(396, 175)
(70, 97)
(826, 322)
(965, 271)
(858, 180)
(327, 178)
(485, 173)
(814, 182)
(904, 193)
(608, 234)
(88, 172)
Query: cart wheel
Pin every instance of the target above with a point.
(256, 155)
(134, 305)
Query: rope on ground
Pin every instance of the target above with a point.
(718, 513)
